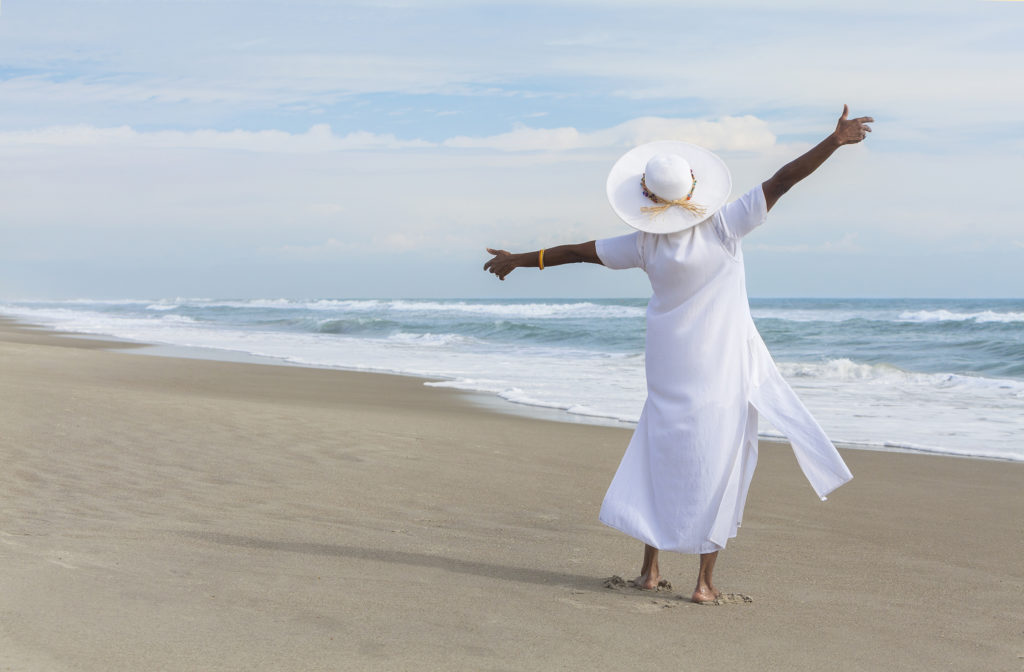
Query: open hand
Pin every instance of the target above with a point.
(851, 131)
(503, 263)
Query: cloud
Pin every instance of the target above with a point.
(847, 243)
(728, 133)
(746, 133)
(924, 68)
(332, 248)
(325, 209)
(317, 139)
(397, 241)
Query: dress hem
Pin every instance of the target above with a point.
(714, 546)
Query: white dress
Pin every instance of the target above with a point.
(683, 480)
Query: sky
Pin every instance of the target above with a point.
(307, 148)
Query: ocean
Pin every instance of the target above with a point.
(935, 375)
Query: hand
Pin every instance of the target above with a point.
(502, 264)
(851, 131)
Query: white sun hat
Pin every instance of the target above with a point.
(668, 186)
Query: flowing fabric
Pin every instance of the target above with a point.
(683, 481)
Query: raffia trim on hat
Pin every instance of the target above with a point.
(663, 205)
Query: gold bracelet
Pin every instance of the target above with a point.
(540, 259)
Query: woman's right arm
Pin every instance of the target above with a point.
(505, 262)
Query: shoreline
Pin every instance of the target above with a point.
(484, 400)
(194, 514)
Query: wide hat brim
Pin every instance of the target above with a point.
(714, 184)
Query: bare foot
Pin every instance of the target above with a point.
(650, 582)
(646, 581)
(705, 592)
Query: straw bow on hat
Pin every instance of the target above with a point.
(668, 186)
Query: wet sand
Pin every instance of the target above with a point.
(178, 514)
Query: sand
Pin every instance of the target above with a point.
(178, 514)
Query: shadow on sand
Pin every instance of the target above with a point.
(488, 570)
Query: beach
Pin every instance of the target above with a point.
(164, 513)
(943, 376)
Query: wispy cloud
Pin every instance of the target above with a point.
(847, 244)
(727, 134)
(317, 139)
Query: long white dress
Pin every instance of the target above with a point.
(682, 483)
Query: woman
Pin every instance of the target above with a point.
(683, 481)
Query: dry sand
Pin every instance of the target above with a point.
(175, 514)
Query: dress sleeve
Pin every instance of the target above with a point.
(621, 251)
(742, 216)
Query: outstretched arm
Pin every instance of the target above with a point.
(505, 262)
(848, 132)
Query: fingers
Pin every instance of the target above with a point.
(864, 128)
(858, 120)
(854, 129)
(489, 264)
(500, 270)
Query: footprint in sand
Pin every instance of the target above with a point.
(728, 598)
(618, 583)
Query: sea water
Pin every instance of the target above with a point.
(933, 375)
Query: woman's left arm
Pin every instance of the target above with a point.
(505, 262)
